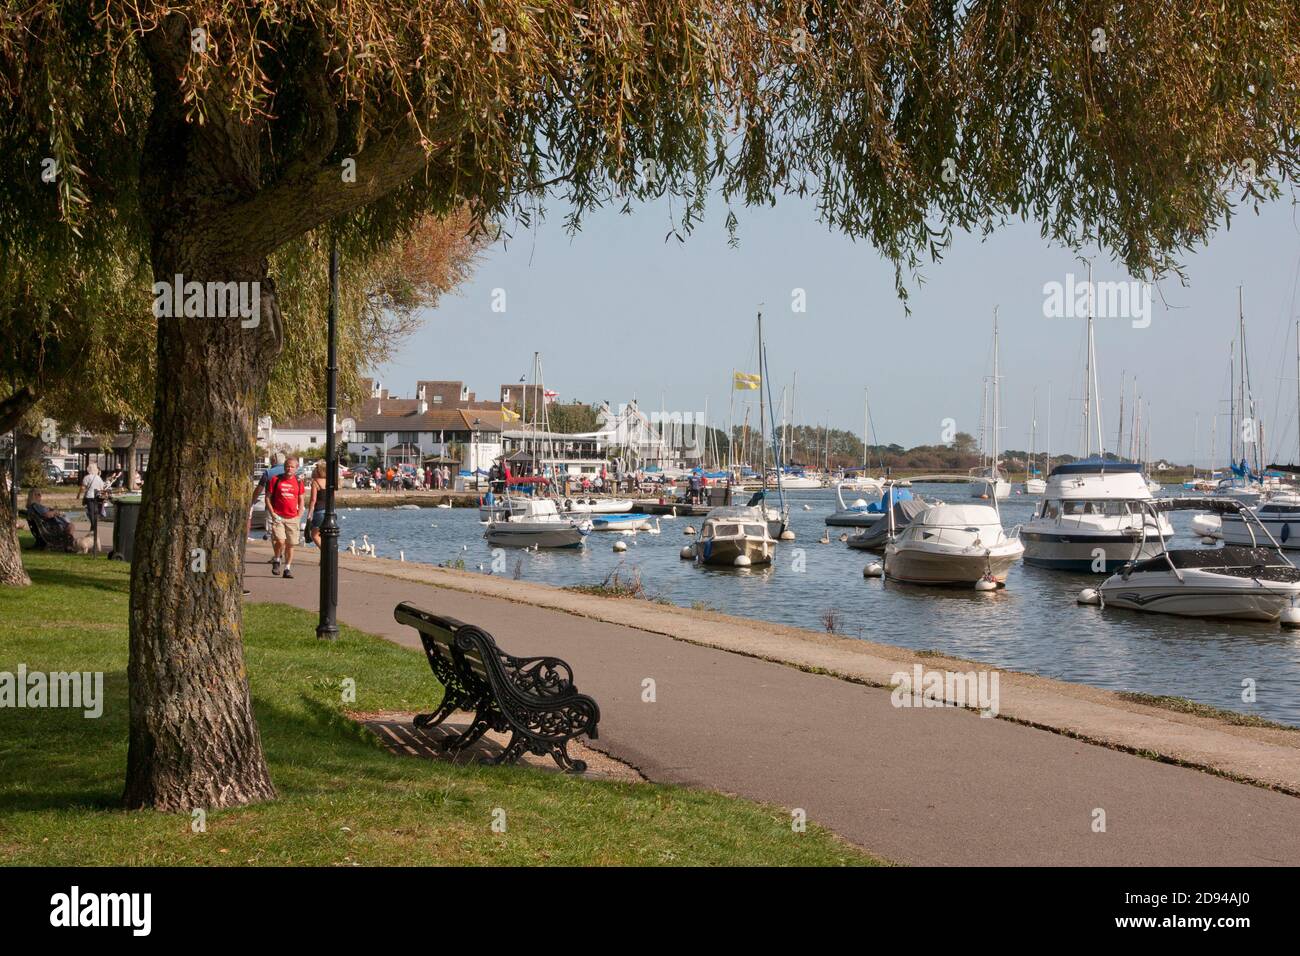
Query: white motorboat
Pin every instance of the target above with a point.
(539, 525)
(598, 506)
(1244, 583)
(1092, 518)
(859, 514)
(1035, 486)
(796, 482)
(953, 545)
(627, 522)
(499, 507)
(875, 538)
(737, 536)
(1280, 515)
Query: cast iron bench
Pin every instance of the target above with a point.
(532, 697)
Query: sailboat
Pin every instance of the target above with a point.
(1244, 484)
(996, 486)
(1034, 485)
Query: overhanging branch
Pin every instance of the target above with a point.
(293, 206)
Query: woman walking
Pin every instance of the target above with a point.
(316, 507)
(92, 488)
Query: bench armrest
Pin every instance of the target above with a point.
(541, 676)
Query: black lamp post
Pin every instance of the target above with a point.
(328, 628)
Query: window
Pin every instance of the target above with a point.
(437, 399)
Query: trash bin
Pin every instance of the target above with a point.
(126, 515)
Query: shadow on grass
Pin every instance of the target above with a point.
(57, 759)
(61, 577)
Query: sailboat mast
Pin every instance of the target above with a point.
(866, 413)
(996, 389)
(762, 418)
(1087, 377)
(1119, 439)
(1297, 387)
(1241, 378)
(1092, 359)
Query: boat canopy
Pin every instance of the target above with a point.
(958, 515)
(1093, 466)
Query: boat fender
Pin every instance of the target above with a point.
(1290, 616)
(986, 583)
(689, 529)
(874, 570)
(620, 546)
(1090, 596)
(688, 553)
(742, 561)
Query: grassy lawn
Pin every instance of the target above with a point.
(343, 799)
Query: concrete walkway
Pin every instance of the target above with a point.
(915, 785)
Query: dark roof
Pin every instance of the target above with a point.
(403, 415)
(1092, 466)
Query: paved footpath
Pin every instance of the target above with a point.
(938, 786)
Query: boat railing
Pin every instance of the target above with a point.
(1246, 515)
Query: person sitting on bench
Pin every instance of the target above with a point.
(50, 528)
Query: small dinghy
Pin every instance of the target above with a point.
(628, 522)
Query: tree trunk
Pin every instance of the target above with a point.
(193, 738)
(131, 457)
(12, 573)
(194, 742)
(12, 409)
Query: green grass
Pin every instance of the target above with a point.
(343, 799)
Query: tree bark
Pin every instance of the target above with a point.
(131, 456)
(194, 742)
(12, 573)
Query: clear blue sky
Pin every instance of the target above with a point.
(618, 312)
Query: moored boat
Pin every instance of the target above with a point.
(735, 535)
(1234, 582)
(539, 525)
(958, 545)
(1092, 518)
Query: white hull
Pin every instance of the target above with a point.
(1000, 487)
(600, 506)
(952, 567)
(637, 522)
(534, 534)
(1035, 486)
(1200, 594)
(1285, 531)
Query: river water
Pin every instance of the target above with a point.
(1034, 624)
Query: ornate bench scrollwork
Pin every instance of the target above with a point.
(532, 698)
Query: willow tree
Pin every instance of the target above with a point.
(1120, 124)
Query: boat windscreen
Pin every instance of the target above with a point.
(1229, 557)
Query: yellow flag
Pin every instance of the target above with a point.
(744, 380)
(509, 416)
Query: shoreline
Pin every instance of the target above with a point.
(1264, 756)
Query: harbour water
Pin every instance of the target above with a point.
(1033, 625)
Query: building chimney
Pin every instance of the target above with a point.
(419, 393)
(374, 389)
(424, 406)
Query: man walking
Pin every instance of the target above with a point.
(284, 497)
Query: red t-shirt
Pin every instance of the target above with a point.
(285, 493)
